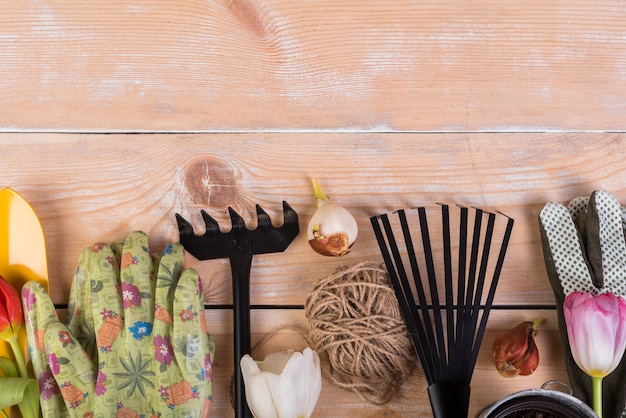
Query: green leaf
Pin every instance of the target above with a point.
(20, 391)
(10, 370)
(29, 407)
(319, 193)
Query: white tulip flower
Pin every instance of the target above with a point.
(284, 385)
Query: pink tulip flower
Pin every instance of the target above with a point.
(596, 330)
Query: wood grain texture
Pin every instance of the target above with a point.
(242, 65)
(92, 188)
(115, 116)
(88, 188)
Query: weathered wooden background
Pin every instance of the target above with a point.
(116, 115)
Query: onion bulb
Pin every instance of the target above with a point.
(332, 230)
(515, 352)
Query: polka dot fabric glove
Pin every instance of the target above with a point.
(136, 343)
(585, 250)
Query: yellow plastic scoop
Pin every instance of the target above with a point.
(22, 248)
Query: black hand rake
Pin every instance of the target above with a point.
(446, 331)
(239, 244)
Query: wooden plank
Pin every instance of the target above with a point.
(97, 188)
(241, 65)
(412, 400)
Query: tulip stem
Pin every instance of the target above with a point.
(597, 395)
(19, 357)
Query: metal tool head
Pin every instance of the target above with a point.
(264, 239)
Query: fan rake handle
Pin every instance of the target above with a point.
(449, 398)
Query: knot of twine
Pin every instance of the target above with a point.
(357, 327)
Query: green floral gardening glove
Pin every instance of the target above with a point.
(80, 323)
(585, 250)
(134, 345)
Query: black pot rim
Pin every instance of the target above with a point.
(543, 400)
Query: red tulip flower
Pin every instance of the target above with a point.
(11, 315)
(596, 330)
(11, 321)
(17, 387)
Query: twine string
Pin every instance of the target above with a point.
(358, 330)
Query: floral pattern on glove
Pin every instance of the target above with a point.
(144, 316)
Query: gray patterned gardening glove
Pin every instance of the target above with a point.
(585, 250)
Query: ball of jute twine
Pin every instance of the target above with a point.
(357, 328)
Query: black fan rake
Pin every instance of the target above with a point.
(446, 321)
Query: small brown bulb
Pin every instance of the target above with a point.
(515, 352)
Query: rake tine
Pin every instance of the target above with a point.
(263, 219)
(403, 292)
(434, 292)
(471, 277)
(289, 214)
(447, 261)
(184, 227)
(482, 272)
(490, 296)
(421, 294)
(236, 220)
(211, 225)
(461, 277)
